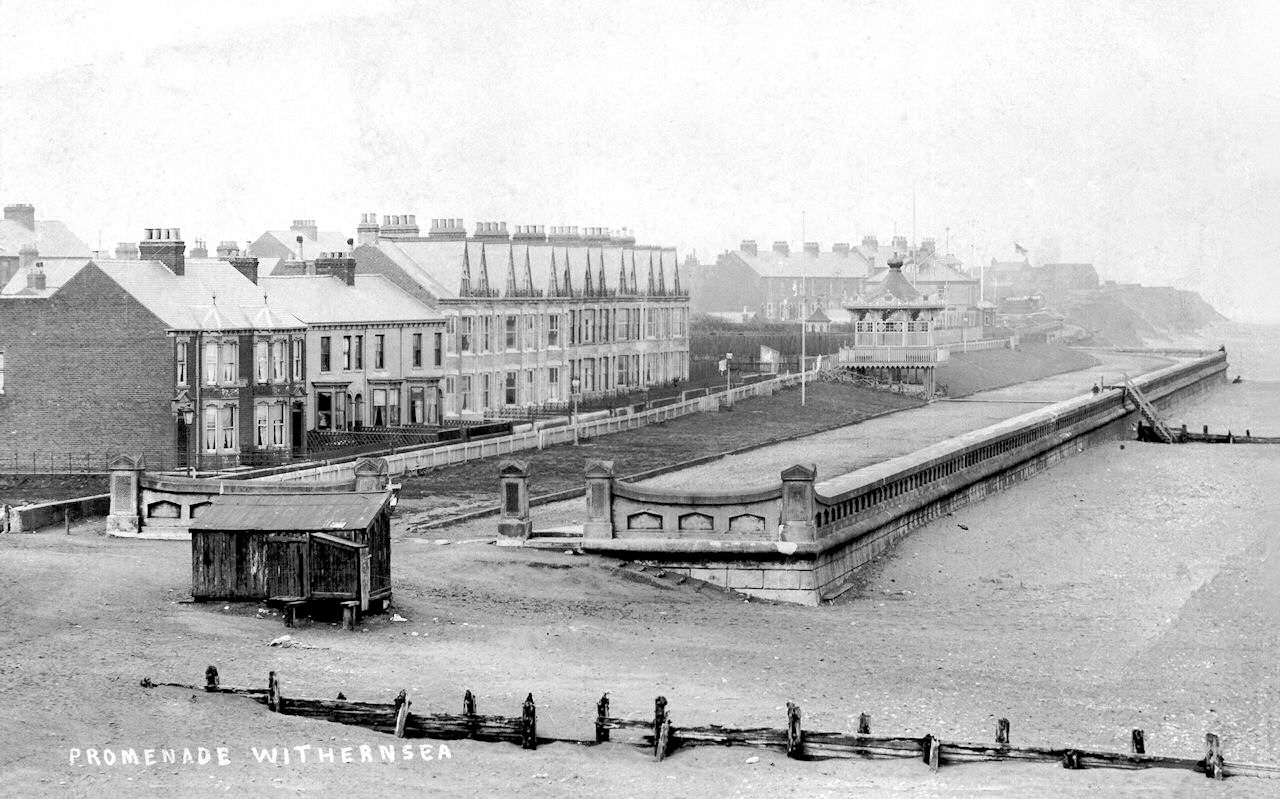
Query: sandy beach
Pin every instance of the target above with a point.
(1128, 587)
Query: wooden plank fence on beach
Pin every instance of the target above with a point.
(661, 736)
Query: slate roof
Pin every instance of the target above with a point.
(57, 271)
(51, 238)
(211, 295)
(324, 241)
(311, 512)
(894, 290)
(325, 300)
(514, 268)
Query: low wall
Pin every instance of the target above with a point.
(143, 505)
(426, 459)
(26, 518)
(829, 529)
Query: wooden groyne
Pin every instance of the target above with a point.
(1184, 436)
(660, 734)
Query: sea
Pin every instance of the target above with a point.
(1253, 404)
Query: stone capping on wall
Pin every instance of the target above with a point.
(681, 496)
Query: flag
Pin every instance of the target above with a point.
(1021, 250)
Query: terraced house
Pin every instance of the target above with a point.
(533, 316)
(377, 353)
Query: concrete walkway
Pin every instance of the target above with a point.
(843, 450)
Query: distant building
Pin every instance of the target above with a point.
(182, 361)
(302, 241)
(25, 239)
(534, 314)
(776, 285)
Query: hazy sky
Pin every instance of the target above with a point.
(1139, 136)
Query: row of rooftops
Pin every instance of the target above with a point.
(899, 245)
(405, 226)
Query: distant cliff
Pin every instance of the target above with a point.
(1129, 315)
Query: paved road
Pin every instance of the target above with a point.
(843, 450)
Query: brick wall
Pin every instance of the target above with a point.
(88, 371)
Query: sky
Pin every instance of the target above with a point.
(1139, 136)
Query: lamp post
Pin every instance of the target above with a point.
(575, 384)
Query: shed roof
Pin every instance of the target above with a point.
(280, 512)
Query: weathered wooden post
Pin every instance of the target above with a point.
(529, 727)
(371, 474)
(662, 740)
(795, 734)
(797, 509)
(602, 713)
(1213, 757)
(1138, 744)
(469, 710)
(864, 724)
(1002, 731)
(931, 751)
(4, 518)
(659, 716)
(274, 701)
(126, 476)
(515, 524)
(599, 475)
(401, 703)
(211, 678)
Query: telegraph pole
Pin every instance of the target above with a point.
(804, 292)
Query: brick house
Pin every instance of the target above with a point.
(180, 360)
(532, 316)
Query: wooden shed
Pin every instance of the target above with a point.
(294, 548)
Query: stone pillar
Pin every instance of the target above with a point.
(798, 506)
(514, 525)
(599, 500)
(126, 473)
(371, 474)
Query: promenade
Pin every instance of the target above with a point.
(848, 448)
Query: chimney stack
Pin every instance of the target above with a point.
(228, 250)
(900, 244)
(491, 230)
(200, 250)
(748, 246)
(27, 257)
(447, 230)
(306, 227)
(870, 242)
(400, 226)
(36, 278)
(782, 248)
(529, 233)
(340, 265)
(811, 249)
(166, 246)
(841, 248)
(127, 251)
(930, 244)
(23, 214)
(367, 231)
(245, 265)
